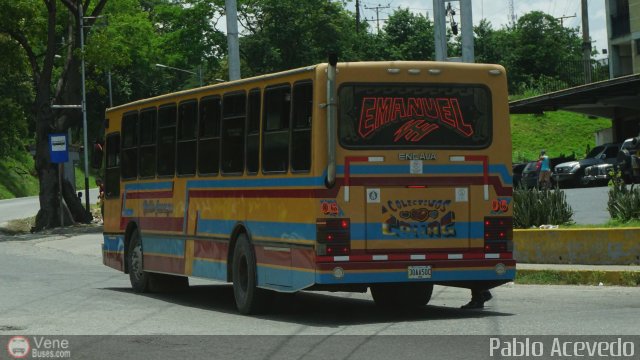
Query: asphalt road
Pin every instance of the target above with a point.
(57, 285)
(20, 208)
(589, 204)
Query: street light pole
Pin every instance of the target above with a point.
(199, 74)
(84, 112)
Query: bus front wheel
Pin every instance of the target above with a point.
(249, 298)
(139, 278)
(143, 281)
(400, 296)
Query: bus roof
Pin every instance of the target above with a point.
(354, 65)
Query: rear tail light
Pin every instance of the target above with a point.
(498, 234)
(333, 236)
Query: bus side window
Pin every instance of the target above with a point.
(166, 161)
(112, 166)
(147, 163)
(187, 131)
(234, 111)
(253, 132)
(209, 136)
(130, 146)
(301, 129)
(275, 129)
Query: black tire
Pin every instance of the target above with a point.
(249, 298)
(401, 296)
(143, 281)
(140, 279)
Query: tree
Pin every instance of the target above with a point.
(285, 34)
(409, 36)
(35, 30)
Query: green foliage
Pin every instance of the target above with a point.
(539, 49)
(624, 201)
(15, 98)
(17, 177)
(533, 207)
(559, 132)
(408, 36)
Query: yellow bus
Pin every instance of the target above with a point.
(388, 176)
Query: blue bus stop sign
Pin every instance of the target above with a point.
(58, 148)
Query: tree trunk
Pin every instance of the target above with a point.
(48, 216)
(79, 213)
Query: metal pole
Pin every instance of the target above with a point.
(60, 170)
(200, 74)
(439, 30)
(467, 31)
(84, 113)
(232, 39)
(586, 43)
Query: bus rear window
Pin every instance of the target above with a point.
(414, 116)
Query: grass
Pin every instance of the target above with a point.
(558, 132)
(18, 177)
(609, 224)
(554, 277)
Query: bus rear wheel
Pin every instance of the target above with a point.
(399, 296)
(249, 298)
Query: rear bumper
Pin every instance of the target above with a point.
(443, 272)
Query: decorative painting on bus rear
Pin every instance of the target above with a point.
(418, 219)
(416, 116)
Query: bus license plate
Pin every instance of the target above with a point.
(419, 272)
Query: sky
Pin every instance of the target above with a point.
(497, 12)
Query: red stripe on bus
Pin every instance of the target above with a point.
(402, 265)
(113, 260)
(164, 264)
(210, 250)
(409, 251)
(354, 181)
(154, 223)
(150, 195)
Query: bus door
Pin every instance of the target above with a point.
(417, 219)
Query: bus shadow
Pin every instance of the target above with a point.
(313, 308)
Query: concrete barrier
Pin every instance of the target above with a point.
(597, 246)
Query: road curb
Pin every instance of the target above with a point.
(598, 246)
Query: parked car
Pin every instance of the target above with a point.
(573, 172)
(628, 160)
(530, 175)
(517, 173)
(531, 171)
(598, 174)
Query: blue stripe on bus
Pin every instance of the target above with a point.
(301, 231)
(286, 280)
(162, 185)
(428, 169)
(401, 276)
(209, 269)
(271, 182)
(474, 230)
(162, 245)
(113, 243)
(298, 231)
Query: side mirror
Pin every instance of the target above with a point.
(79, 194)
(96, 155)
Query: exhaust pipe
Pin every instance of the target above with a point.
(332, 116)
